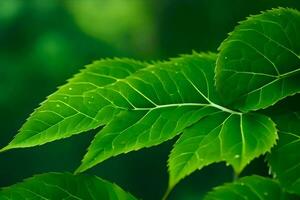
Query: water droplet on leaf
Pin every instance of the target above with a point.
(237, 156)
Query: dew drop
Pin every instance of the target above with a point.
(237, 156)
(176, 64)
(65, 98)
(70, 88)
(226, 57)
(242, 183)
(270, 171)
(57, 105)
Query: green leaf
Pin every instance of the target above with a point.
(259, 62)
(138, 129)
(57, 186)
(284, 159)
(77, 106)
(234, 138)
(175, 94)
(250, 188)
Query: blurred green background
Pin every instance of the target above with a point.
(44, 42)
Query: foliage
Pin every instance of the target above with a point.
(251, 187)
(212, 99)
(64, 186)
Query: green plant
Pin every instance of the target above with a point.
(226, 106)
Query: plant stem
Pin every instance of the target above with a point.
(167, 193)
(235, 175)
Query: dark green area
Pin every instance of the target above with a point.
(42, 43)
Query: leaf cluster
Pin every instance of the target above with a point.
(225, 107)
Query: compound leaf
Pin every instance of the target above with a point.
(234, 138)
(57, 186)
(175, 95)
(144, 105)
(251, 187)
(259, 63)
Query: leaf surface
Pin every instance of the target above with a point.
(259, 63)
(251, 187)
(77, 106)
(233, 138)
(58, 186)
(134, 130)
(174, 95)
(284, 159)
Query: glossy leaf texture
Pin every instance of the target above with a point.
(250, 188)
(233, 138)
(284, 159)
(145, 127)
(77, 106)
(259, 63)
(173, 96)
(57, 186)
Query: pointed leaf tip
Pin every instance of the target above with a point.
(221, 137)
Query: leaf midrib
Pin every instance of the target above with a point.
(211, 104)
